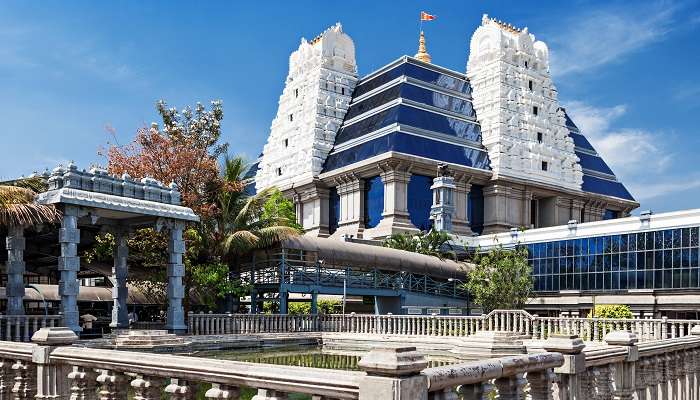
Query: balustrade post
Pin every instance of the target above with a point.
(83, 383)
(146, 388)
(511, 387)
(541, 384)
(222, 392)
(570, 346)
(477, 391)
(178, 389)
(624, 372)
(112, 385)
(24, 381)
(269, 394)
(393, 373)
(50, 378)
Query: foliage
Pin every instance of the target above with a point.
(214, 277)
(501, 278)
(17, 206)
(433, 243)
(185, 151)
(325, 306)
(261, 221)
(611, 311)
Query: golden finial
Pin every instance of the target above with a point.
(422, 51)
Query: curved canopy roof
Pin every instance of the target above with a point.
(338, 252)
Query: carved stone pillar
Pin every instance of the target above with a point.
(69, 266)
(352, 207)
(312, 209)
(395, 217)
(176, 271)
(460, 221)
(120, 271)
(15, 270)
(511, 387)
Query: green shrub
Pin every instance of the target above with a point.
(611, 311)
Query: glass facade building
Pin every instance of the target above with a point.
(660, 259)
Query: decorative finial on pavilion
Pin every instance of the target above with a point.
(422, 51)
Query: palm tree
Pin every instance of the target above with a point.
(246, 223)
(17, 206)
(433, 243)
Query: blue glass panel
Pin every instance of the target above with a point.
(439, 123)
(569, 122)
(373, 102)
(440, 100)
(413, 117)
(610, 214)
(476, 210)
(367, 125)
(606, 187)
(419, 201)
(694, 237)
(374, 201)
(414, 71)
(333, 210)
(594, 163)
(409, 144)
(580, 141)
(685, 237)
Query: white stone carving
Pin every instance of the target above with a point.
(509, 74)
(316, 96)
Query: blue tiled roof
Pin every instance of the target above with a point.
(412, 108)
(598, 177)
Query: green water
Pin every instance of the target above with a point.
(301, 356)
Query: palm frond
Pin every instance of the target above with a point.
(253, 207)
(274, 234)
(240, 242)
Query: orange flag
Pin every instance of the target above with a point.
(424, 16)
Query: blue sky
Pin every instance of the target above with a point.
(628, 72)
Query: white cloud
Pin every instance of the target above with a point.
(641, 159)
(628, 151)
(647, 190)
(604, 35)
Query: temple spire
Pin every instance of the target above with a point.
(422, 51)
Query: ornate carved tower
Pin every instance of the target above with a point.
(322, 76)
(523, 126)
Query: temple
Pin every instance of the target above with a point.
(360, 157)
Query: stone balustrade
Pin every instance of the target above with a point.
(621, 368)
(20, 328)
(515, 321)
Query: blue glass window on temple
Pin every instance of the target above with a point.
(333, 210)
(374, 201)
(611, 214)
(475, 208)
(419, 201)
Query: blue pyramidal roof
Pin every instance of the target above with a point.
(598, 177)
(413, 108)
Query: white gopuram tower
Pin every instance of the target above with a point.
(322, 76)
(516, 103)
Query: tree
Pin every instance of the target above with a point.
(185, 151)
(433, 243)
(501, 278)
(17, 205)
